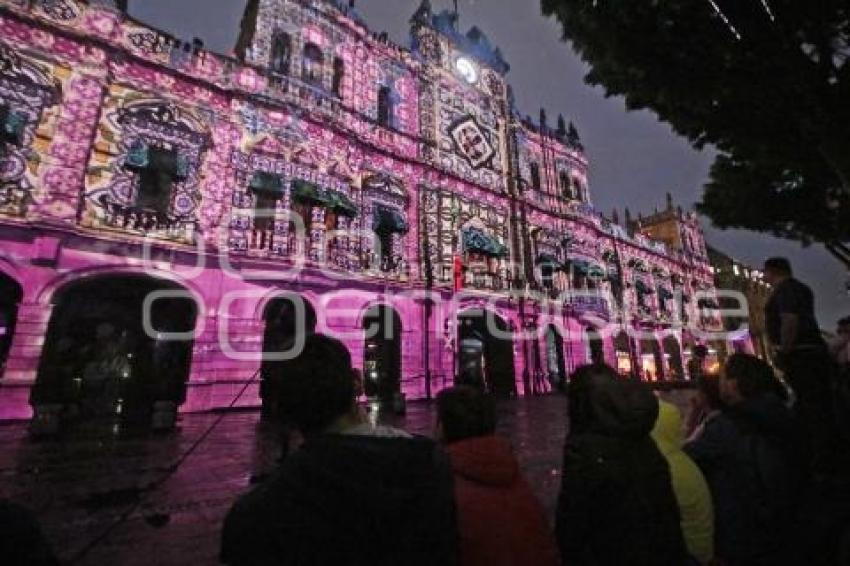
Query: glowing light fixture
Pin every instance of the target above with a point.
(466, 69)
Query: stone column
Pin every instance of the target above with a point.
(23, 361)
(217, 377)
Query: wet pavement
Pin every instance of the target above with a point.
(107, 499)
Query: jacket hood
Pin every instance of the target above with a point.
(487, 460)
(668, 433)
(613, 407)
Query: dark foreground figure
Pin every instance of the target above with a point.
(801, 353)
(353, 493)
(499, 520)
(617, 506)
(22, 542)
(751, 460)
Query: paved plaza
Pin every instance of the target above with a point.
(83, 484)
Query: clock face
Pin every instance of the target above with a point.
(466, 69)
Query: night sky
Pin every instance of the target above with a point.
(635, 160)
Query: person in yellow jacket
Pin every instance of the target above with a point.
(689, 485)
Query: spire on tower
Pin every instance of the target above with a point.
(423, 14)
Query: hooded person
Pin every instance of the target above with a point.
(749, 458)
(353, 493)
(689, 486)
(500, 522)
(616, 506)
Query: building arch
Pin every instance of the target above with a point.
(623, 354)
(46, 294)
(673, 356)
(485, 352)
(282, 327)
(11, 295)
(556, 364)
(595, 344)
(101, 362)
(382, 352)
(651, 360)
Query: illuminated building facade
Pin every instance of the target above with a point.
(323, 179)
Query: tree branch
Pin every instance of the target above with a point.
(840, 252)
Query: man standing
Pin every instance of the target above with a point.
(801, 353)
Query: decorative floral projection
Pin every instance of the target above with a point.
(386, 170)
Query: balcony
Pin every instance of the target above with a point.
(148, 222)
(485, 281)
(294, 90)
(582, 305)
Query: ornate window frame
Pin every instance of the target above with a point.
(27, 90)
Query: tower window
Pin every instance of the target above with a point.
(566, 185)
(385, 107)
(339, 73)
(311, 64)
(535, 176)
(281, 53)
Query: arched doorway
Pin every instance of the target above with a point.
(623, 353)
(651, 361)
(382, 354)
(485, 352)
(555, 362)
(595, 345)
(10, 297)
(673, 355)
(99, 362)
(286, 317)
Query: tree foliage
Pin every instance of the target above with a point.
(765, 82)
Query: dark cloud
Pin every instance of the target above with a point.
(634, 158)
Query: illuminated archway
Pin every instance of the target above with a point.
(382, 353)
(10, 296)
(623, 353)
(286, 317)
(673, 356)
(485, 352)
(651, 361)
(556, 364)
(99, 361)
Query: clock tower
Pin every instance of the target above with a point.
(464, 100)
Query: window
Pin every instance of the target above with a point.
(385, 107)
(12, 125)
(581, 191)
(339, 73)
(158, 170)
(267, 189)
(311, 64)
(385, 239)
(301, 230)
(566, 185)
(281, 53)
(547, 272)
(535, 176)
(388, 222)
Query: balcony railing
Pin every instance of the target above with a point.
(485, 281)
(589, 304)
(148, 221)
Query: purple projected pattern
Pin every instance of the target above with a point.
(323, 163)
